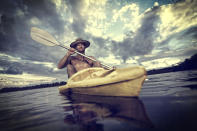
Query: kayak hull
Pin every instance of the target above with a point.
(116, 85)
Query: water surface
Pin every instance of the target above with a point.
(167, 102)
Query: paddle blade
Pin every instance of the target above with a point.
(43, 37)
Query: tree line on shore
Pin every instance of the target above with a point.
(188, 64)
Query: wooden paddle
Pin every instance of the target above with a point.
(45, 38)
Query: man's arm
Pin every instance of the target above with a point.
(66, 59)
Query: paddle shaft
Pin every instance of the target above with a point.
(65, 47)
(106, 66)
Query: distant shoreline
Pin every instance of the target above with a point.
(47, 85)
(166, 70)
(188, 64)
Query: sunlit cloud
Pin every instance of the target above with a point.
(161, 63)
(4, 56)
(176, 18)
(35, 21)
(132, 61)
(95, 14)
(60, 6)
(19, 60)
(20, 13)
(128, 17)
(156, 4)
(110, 60)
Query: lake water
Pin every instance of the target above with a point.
(167, 102)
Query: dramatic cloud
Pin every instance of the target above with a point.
(119, 31)
(142, 41)
(128, 15)
(176, 18)
(160, 28)
(16, 65)
(17, 17)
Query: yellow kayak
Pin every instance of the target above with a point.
(98, 81)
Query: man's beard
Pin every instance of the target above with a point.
(81, 51)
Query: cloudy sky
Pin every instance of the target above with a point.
(152, 33)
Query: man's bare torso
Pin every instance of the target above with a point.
(79, 63)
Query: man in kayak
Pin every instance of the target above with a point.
(77, 62)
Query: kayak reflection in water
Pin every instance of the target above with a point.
(94, 112)
(77, 62)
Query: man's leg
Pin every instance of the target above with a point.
(70, 70)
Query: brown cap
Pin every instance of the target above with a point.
(79, 40)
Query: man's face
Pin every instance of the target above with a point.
(80, 47)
